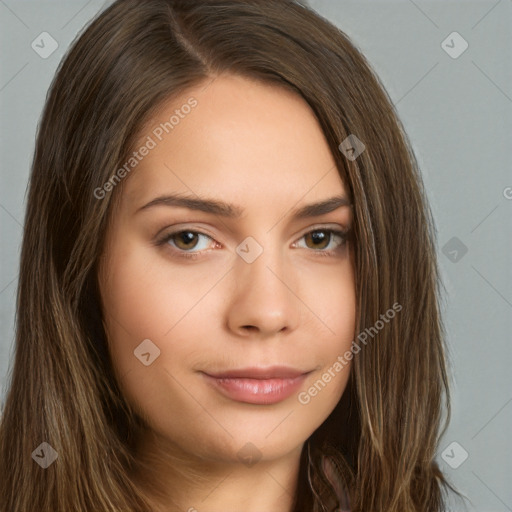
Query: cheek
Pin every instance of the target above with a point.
(150, 362)
(138, 307)
(329, 295)
(335, 308)
(146, 298)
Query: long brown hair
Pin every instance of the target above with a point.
(384, 433)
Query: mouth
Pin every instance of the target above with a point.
(261, 386)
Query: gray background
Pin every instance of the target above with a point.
(458, 114)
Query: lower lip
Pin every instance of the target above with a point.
(257, 391)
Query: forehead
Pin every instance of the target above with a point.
(243, 140)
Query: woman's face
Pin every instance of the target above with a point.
(217, 332)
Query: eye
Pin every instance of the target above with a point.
(184, 241)
(320, 238)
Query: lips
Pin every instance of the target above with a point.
(261, 386)
(274, 372)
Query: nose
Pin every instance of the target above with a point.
(265, 301)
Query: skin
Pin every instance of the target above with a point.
(261, 148)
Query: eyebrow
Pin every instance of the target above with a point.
(232, 211)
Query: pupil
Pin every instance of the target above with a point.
(318, 236)
(186, 237)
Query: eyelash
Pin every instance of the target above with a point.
(343, 234)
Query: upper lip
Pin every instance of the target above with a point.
(274, 372)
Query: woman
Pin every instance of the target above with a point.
(248, 366)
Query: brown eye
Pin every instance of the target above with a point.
(319, 238)
(186, 243)
(325, 241)
(184, 239)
